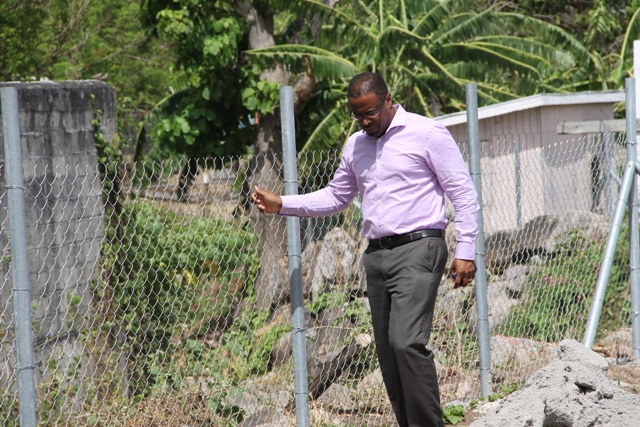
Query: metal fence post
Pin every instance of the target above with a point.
(609, 253)
(630, 87)
(482, 310)
(298, 329)
(518, 184)
(606, 170)
(19, 257)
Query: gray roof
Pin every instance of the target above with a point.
(535, 101)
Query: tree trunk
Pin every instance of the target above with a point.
(266, 165)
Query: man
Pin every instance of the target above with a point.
(402, 164)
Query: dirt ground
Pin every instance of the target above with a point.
(627, 377)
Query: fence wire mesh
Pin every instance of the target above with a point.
(160, 296)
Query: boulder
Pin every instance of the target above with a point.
(337, 398)
(267, 417)
(540, 236)
(617, 345)
(515, 277)
(515, 358)
(333, 262)
(499, 304)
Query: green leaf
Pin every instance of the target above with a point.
(453, 414)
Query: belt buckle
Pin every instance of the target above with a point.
(384, 242)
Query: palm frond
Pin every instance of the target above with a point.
(499, 55)
(536, 47)
(466, 26)
(438, 66)
(338, 13)
(632, 33)
(430, 21)
(327, 133)
(553, 34)
(322, 62)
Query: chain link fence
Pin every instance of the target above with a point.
(160, 296)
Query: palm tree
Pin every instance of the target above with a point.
(427, 50)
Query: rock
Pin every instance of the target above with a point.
(617, 345)
(573, 390)
(515, 277)
(325, 332)
(371, 393)
(486, 407)
(499, 304)
(541, 235)
(267, 418)
(332, 262)
(337, 397)
(452, 303)
(372, 380)
(515, 358)
(268, 391)
(320, 417)
(246, 400)
(625, 376)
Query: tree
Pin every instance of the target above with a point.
(87, 39)
(607, 29)
(212, 115)
(427, 51)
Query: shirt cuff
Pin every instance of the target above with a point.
(466, 251)
(287, 209)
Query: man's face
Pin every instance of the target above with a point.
(372, 114)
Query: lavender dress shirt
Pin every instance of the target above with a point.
(402, 177)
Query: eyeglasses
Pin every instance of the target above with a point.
(370, 115)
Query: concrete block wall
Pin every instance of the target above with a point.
(64, 213)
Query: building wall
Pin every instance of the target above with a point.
(555, 170)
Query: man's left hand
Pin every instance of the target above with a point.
(462, 272)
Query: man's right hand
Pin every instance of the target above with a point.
(266, 201)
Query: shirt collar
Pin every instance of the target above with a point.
(399, 119)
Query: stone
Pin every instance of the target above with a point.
(515, 277)
(617, 345)
(337, 397)
(541, 236)
(514, 358)
(499, 304)
(334, 262)
(267, 417)
(573, 351)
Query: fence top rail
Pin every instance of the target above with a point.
(592, 126)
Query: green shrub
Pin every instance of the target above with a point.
(171, 275)
(558, 294)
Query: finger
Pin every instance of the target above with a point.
(457, 278)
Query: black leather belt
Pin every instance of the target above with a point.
(401, 239)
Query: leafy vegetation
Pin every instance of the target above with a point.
(559, 293)
(453, 414)
(161, 289)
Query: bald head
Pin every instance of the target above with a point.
(366, 83)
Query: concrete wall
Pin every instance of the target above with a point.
(64, 217)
